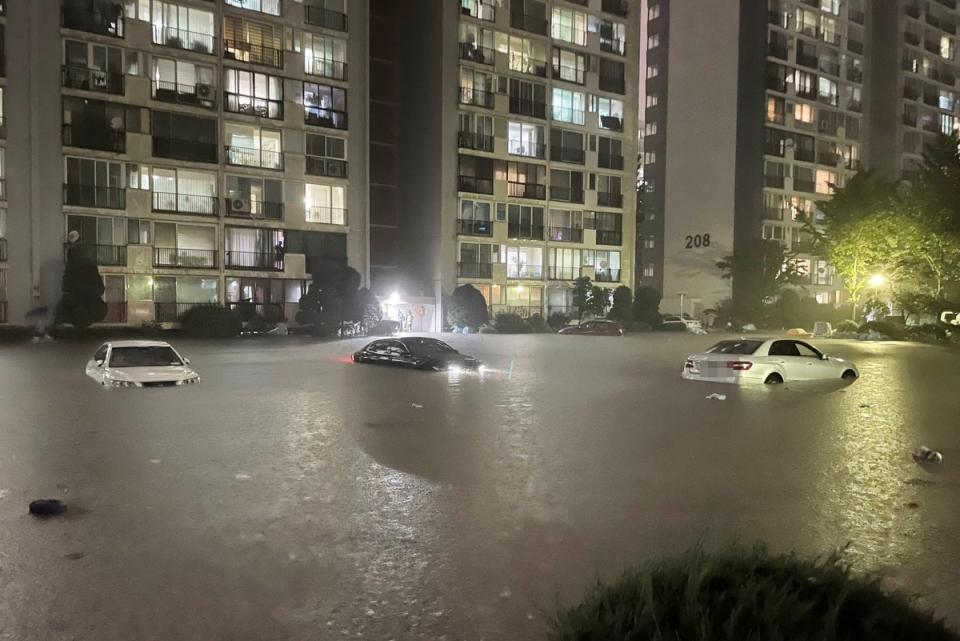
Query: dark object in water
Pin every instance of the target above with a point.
(47, 507)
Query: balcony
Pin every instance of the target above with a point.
(774, 181)
(326, 215)
(475, 185)
(257, 261)
(325, 117)
(255, 209)
(569, 73)
(609, 161)
(612, 45)
(472, 227)
(525, 272)
(573, 155)
(196, 204)
(911, 38)
(562, 273)
(804, 155)
(614, 84)
(473, 140)
(184, 149)
(248, 105)
(253, 157)
(910, 120)
(326, 68)
(807, 60)
(804, 185)
(607, 199)
(94, 196)
(855, 46)
(178, 38)
(171, 312)
(856, 16)
(266, 7)
(473, 53)
(87, 79)
(526, 107)
(104, 18)
(777, 50)
(516, 231)
(912, 10)
(320, 17)
(101, 137)
(526, 148)
(533, 24)
(189, 258)
(566, 194)
(611, 123)
(197, 95)
(3, 250)
(270, 312)
(569, 115)
(319, 166)
(616, 7)
(3, 188)
(609, 237)
(607, 275)
(103, 255)
(253, 53)
(476, 97)
(475, 270)
(565, 234)
(526, 190)
(773, 213)
(827, 158)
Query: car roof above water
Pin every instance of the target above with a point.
(138, 344)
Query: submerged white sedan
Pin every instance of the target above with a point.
(771, 361)
(140, 364)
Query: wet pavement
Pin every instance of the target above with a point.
(293, 495)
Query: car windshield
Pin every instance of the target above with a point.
(153, 356)
(734, 347)
(427, 345)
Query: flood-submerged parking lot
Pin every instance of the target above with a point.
(296, 495)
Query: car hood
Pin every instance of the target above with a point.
(455, 359)
(150, 374)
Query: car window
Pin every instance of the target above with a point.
(807, 351)
(784, 348)
(735, 347)
(376, 347)
(101, 354)
(395, 347)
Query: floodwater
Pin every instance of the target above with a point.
(293, 495)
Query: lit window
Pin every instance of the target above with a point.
(826, 180)
(569, 25)
(648, 270)
(827, 91)
(653, 41)
(653, 12)
(649, 157)
(649, 242)
(775, 110)
(653, 71)
(568, 106)
(650, 128)
(948, 124)
(803, 112)
(947, 100)
(947, 47)
(652, 100)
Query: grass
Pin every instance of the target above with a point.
(745, 594)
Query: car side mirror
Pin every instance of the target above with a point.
(186, 361)
(824, 357)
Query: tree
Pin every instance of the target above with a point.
(622, 309)
(81, 303)
(581, 296)
(764, 268)
(331, 299)
(599, 300)
(467, 307)
(646, 305)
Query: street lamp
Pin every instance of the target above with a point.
(877, 281)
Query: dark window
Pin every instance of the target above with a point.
(476, 174)
(184, 137)
(566, 146)
(612, 75)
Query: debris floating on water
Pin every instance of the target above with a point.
(924, 455)
(242, 476)
(47, 507)
(717, 397)
(416, 406)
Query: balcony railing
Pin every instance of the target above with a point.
(567, 154)
(105, 18)
(471, 227)
(196, 95)
(320, 17)
(3, 250)
(255, 53)
(270, 312)
(808, 186)
(516, 231)
(260, 107)
(261, 261)
(615, 84)
(777, 50)
(191, 258)
(609, 237)
(562, 273)
(184, 149)
(3, 188)
(529, 23)
(565, 234)
(171, 312)
(569, 114)
(570, 73)
(475, 184)
(804, 155)
(526, 149)
(253, 157)
(526, 107)
(609, 161)
(105, 255)
(525, 272)
(268, 7)
(94, 196)
(607, 275)
(567, 194)
(474, 53)
(326, 215)
(184, 39)
(616, 7)
(3, 311)
(325, 67)
(473, 140)
(87, 79)
(607, 199)
(526, 190)
(319, 166)
(97, 137)
(324, 117)
(773, 181)
(612, 45)
(249, 208)
(197, 204)
(476, 97)
(475, 270)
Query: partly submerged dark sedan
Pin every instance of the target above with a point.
(415, 351)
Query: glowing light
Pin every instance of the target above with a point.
(877, 280)
(394, 299)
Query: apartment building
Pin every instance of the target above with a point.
(200, 151)
(518, 147)
(754, 112)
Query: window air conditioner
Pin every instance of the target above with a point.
(334, 169)
(240, 205)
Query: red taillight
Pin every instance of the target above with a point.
(739, 366)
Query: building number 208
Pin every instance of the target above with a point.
(700, 240)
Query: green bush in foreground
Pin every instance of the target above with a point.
(508, 323)
(744, 594)
(210, 321)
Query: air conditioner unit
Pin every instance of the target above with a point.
(204, 90)
(335, 169)
(240, 205)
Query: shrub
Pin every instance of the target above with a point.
(636, 326)
(847, 327)
(467, 307)
(672, 327)
(537, 324)
(928, 333)
(210, 321)
(893, 330)
(81, 304)
(506, 323)
(744, 593)
(646, 305)
(622, 309)
(558, 320)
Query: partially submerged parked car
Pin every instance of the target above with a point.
(140, 364)
(770, 361)
(594, 328)
(415, 352)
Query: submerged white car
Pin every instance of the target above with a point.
(770, 361)
(140, 364)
